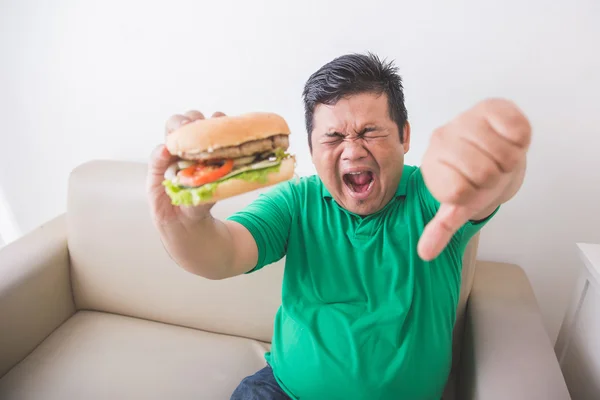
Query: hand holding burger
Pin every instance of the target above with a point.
(207, 160)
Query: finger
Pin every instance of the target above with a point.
(476, 166)
(480, 134)
(160, 159)
(218, 114)
(175, 122)
(194, 115)
(508, 121)
(445, 182)
(439, 231)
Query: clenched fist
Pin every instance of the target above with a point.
(473, 164)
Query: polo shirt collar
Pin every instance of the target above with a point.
(400, 191)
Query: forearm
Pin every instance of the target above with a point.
(205, 248)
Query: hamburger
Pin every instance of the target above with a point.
(222, 157)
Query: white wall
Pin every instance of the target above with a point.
(9, 230)
(104, 76)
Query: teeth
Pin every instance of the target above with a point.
(357, 173)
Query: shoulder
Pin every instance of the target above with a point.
(412, 174)
(297, 186)
(412, 183)
(413, 187)
(300, 187)
(293, 193)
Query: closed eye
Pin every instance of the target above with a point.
(333, 137)
(372, 133)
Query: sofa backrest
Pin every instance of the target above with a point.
(119, 264)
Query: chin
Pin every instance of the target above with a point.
(362, 209)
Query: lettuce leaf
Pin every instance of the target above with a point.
(185, 196)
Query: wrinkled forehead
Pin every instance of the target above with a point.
(352, 113)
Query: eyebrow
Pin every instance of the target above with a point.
(359, 133)
(367, 129)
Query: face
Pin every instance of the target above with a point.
(357, 152)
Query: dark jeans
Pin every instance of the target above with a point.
(260, 386)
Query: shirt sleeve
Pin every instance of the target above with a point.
(268, 219)
(431, 206)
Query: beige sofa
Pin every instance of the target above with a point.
(92, 307)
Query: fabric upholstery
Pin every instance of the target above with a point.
(35, 290)
(96, 355)
(108, 210)
(506, 352)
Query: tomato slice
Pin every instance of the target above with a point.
(200, 174)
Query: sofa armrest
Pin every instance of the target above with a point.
(506, 352)
(35, 290)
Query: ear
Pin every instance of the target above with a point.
(406, 137)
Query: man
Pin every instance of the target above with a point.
(374, 247)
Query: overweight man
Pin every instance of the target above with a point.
(373, 246)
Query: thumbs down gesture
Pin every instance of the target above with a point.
(473, 164)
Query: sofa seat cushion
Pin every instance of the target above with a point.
(96, 355)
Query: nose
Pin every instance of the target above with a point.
(354, 150)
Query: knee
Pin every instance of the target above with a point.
(246, 390)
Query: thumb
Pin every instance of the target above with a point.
(160, 160)
(439, 231)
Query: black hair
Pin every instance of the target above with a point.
(353, 74)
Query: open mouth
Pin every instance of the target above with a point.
(359, 182)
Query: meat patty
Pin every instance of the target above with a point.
(245, 149)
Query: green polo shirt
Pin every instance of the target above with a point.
(362, 316)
